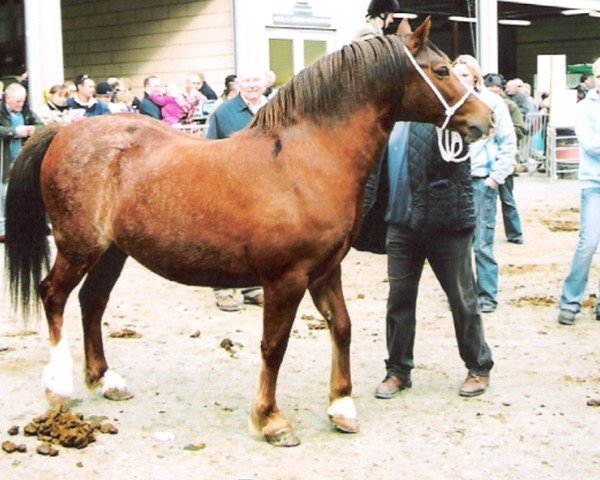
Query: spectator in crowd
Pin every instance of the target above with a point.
(122, 100)
(380, 14)
(510, 214)
(70, 87)
(587, 129)
(231, 88)
(585, 83)
(270, 78)
(230, 117)
(104, 93)
(174, 108)
(525, 102)
(491, 162)
(55, 104)
(191, 89)
(205, 89)
(146, 106)
(83, 103)
(17, 123)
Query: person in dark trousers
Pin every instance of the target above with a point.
(427, 205)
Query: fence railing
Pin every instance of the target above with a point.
(548, 149)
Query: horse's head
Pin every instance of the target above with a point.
(433, 93)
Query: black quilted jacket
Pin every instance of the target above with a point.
(442, 193)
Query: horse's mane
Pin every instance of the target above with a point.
(337, 84)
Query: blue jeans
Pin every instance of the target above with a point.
(510, 214)
(3, 208)
(589, 237)
(486, 267)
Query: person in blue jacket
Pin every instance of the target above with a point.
(84, 103)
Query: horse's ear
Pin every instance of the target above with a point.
(418, 38)
(404, 28)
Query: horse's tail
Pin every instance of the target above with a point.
(26, 252)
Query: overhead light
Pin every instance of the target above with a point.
(409, 16)
(594, 14)
(575, 12)
(462, 19)
(516, 23)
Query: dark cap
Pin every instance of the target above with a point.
(494, 79)
(377, 7)
(104, 88)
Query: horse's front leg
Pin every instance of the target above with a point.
(329, 300)
(281, 303)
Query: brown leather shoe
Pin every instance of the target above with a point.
(474, 385)
(258, 300)
(391, 386)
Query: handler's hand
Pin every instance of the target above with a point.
(24, 131)
(490, 182)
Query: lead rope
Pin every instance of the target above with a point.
(450, 143)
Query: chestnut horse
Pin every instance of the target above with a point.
(277, 204)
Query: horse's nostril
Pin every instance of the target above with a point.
(475, 132)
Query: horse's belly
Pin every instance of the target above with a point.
(196, 266)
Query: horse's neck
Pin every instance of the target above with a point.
(361, 138)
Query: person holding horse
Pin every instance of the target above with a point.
(17, 123)
(492, 161)
(427, 204)
(380, 15)
(228, 118)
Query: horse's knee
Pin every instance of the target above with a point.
(342, 333)
(273, 351)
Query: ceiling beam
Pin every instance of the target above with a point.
(567, 4)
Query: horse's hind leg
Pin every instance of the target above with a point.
(329, 300)
(281, 303)
(93, 297)
(54, 291)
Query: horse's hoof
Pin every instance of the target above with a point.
(57, 400)
(117, 394)
(283, 438)
(343, 424)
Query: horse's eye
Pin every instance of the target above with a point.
(442, 72)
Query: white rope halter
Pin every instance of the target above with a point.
(450, 143)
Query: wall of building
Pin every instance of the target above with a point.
(136, 38)
(576, 37)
